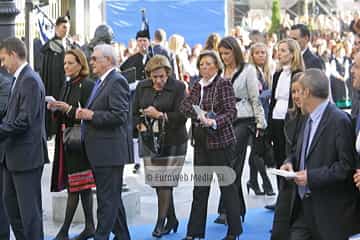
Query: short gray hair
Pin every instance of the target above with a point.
(107, 50)
(316, 81)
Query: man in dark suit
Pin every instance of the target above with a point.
(324, 202)
(159, 44)
(4, 95)
(107, 141)
(301, 34)
(23, 133)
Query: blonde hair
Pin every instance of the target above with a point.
(176, 43)
(266, 68)
(157, 62)
(212, 42)
(297, 63)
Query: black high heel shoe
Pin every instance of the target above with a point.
(171, 226)
(221, 219)
(268, 190)
(254, 187)
(230, 237)
(84, 235)
(159, 228)
(61, 236)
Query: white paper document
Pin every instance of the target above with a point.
(282, 173)
(49, 99)
(355, 237)
(200, 113)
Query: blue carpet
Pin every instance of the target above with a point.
(256, 227)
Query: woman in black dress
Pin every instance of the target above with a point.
(71, 169)
(157, 101)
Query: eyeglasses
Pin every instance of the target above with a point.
(93, 58)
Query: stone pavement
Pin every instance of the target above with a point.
(148, 201)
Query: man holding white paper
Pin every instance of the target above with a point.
(324, 203)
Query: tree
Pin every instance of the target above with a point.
(275, 19)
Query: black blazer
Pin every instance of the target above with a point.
(312, 61)
(108, 137)
(330, 166)
(23, 127)
(136, 61)
(168, 101)
(74, 92)
(292, 127)
(274, 85)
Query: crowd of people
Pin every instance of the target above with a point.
(109, 106)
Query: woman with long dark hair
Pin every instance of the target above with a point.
(250, 117)
(71, 168)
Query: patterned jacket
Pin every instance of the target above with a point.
(217, 97)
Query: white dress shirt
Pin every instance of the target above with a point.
(282, 94)
(102, 78)
(17, 73)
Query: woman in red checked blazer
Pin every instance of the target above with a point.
(213, 139)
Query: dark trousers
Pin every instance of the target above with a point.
(4, 223)
(204, 157)
(110, 213)
(22, 197)
(282, 215)
(243, 135)
(257, 165)
(278, 138)
(304, 225)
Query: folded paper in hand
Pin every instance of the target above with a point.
(49, 99)
(282, 173)
(200, 113)
(355, 237)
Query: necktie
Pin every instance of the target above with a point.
(91, 98)
(93, 92)
(302, 189)
(357, 124)
(13, 80)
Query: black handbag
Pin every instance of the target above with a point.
(152, 139)
(72, 138)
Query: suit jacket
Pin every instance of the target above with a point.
(108, 137)
(23, 127)
(330, 165)
(5, 82)
(218, 97)
(158, 49)
(312, 61)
